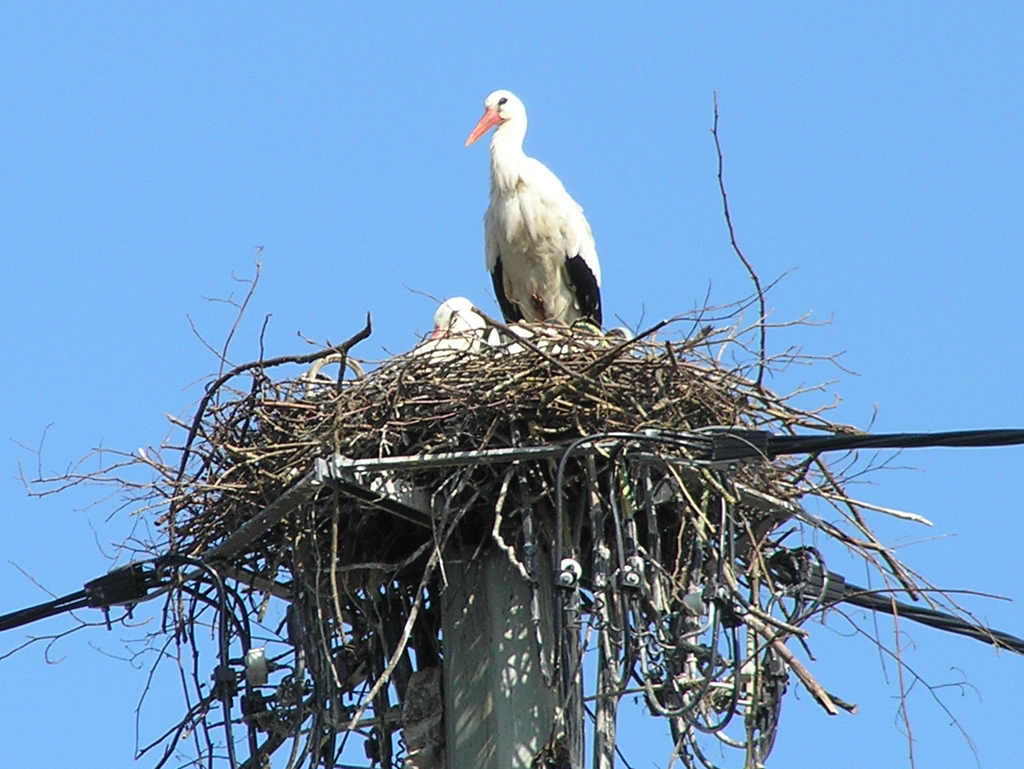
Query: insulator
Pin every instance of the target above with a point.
(569, 573)
(256, 668)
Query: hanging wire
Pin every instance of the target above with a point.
(224, 677)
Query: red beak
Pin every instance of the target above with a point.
(439, 333)
(489, 120)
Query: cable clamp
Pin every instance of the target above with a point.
(124, 586)
(224, 681)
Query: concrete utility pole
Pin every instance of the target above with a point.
(499, 711)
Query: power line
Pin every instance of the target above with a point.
(732, 444)
(123, 586)
(801, 568)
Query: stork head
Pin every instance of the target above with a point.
(456, 317)
(500, 107)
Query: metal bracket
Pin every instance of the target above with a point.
(396, 496)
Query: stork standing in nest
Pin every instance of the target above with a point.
(539, 248)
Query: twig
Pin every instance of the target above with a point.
(212, 389)
(736, 248)
(816, 689)
(241, 309)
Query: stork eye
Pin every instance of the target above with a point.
(502, 100)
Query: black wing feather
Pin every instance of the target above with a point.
(584, 284)
(509, 309)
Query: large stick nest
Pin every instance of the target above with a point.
(357, 588)
(252, 444)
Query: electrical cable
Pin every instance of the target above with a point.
(803, 568)
(731, 444)
(867, 599)
(224, 677)
(42, 611)
(130, 584)
(123, 586)
(811, 444)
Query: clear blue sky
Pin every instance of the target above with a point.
(873, 153)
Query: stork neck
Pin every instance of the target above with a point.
(507, 153)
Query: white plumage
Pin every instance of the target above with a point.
(458, 328)
(538, 245)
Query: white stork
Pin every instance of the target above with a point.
(458, 328)
(539, 248)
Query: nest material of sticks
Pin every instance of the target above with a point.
(569, 384)
(362, 586)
